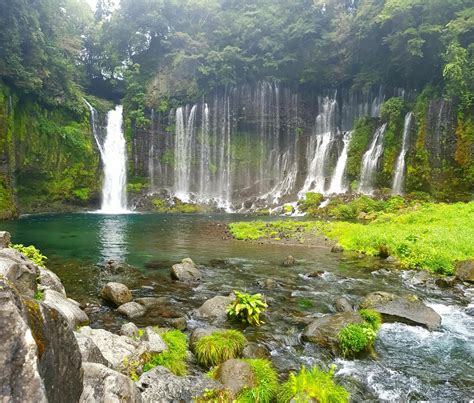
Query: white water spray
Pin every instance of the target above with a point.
(399, 176)
(337, 181)
(371, 160)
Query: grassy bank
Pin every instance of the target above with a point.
(429, 237)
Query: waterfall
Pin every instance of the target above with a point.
(114, 158)
(94, 126)
(371, 160)
(320, 143)
(399, 176)
(337, 181)
(151, 153)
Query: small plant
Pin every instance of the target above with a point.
(174, 358)
(266, 380)
(355, 338)
(371, 317)
(247, 308)
(31, 253)
(313, 385)
(219, 347)
(214, 396)
(39, 295)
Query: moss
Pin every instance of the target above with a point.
(363, 131)
(310, 204)
(176, 206)
(255, 230)
(372, 318)
(35, 322)
(220, 346)
(313, 385)
(214, 396)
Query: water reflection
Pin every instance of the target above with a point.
(113, 238)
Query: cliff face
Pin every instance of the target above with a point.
(48, 158)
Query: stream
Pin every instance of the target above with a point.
(412, 363)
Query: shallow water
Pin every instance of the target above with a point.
(412, 363)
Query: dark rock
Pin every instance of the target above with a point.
(446, 282)
(255, 350)
(289, 261)
(315, 274)
(337, 249)
(129, 329)
(160, 385)
(89, 351)
(185, 271)
(235, 375)
(407, 309)
(343, 305)
(132, 310)
(324, 331)
(116, 293)
(215, 307)
(68, 308)
(465, 270)
(102, 384)
(4, 239)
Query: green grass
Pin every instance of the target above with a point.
(313, 385)
(276, 230)
(266, 386)
(219, 347)
(174, 359)
(431, 237)
(355, 338)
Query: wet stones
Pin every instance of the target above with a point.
(68, 308)
(215, 307)
(343, 305)
(289, 261)
(116, 293)
(465, 270)
(235, 375)
(185, 271)
(129, 329)
(132, 310)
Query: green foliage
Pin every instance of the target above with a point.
(313, 385)
(355, 338)
(392, 110)
(219, 347)
(174, 358)
(275, 230)
(31, 253)
(214, 396)
(247, 308)
(363, 131)
(310, 204)
(266, 380)
(39, 295)
(177, 206)
(371, 317)
(135, 187)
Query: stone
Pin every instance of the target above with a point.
(5, 239)
(324, 331)
(160, 385)
(337, 249)
(215, 307)
(89, 351)
(102, 384)
(267, 283)
(392, 260)
(50, 281)
(255, 350)
(465, 270)
(152, 302)
(177, 323)
(235, 375)
(343, 305)
(155, 344)
(117, 293)
(14, 268)
(185, 271)
(70, 310)
(113, 347)
(408, 309)
(446, 282)
(129, 329)
(289, 261)
(315, 274)
(132, 310)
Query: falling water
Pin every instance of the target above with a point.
(337, 181)
(371, 160)
(151, 153)
(114, 158)
(399, 176)
(94, 126)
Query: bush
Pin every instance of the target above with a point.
(247, 308)
(266, 380)
(31, 253)
(371, 317)
(355, 338)
(310, 204)
(174, 358)
(219, 347)
(314, 385)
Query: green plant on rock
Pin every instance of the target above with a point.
(214, 396)
(219, 347)
(266, 383)
(313, 385)
(31, 253)
(372, 318)
(355, 338)
(39, 295)
(310, 204)
(174, 358)
(247, 308)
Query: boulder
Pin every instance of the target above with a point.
(446, 282)
(117, 293)
(337, 249)
(114, 348)
(465, 270)
(255, 350)
(235, 375)
(4, 239)
(70, 310)
(102, 384)
(289, 261)
(129, 329)
(16, 269)
(407, 309)
(215, 307)
(155, 344)
(89, 351)
(324, 331)
(50, 281)
(160, 385)
(152, 302)
(343, 305)
(132, 310)
(185, 271)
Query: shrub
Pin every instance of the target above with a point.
(214, 396)
(174, 358)
(266, 380)
(371, 317)
(355, 338)
(310, 204)
(313, 385)
(31, 253)
(219, 347)
(247, 308)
